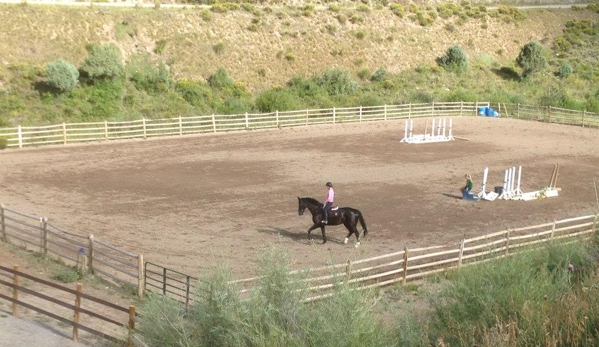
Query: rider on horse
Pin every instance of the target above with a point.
(328, 202)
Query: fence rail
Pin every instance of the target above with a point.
(95, 322)
(65, 133)
(398, 267)
(76, 249)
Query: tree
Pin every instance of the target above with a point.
(103, 62)
(454, 59)
(532, 58)
(221, 79)
(62, 75)
(565, 69)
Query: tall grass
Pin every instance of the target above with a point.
(547, 297)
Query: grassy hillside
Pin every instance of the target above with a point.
(265, 47)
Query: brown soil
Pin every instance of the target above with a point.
(191, 202)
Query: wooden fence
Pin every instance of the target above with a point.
(82, 251)
(113, 315)
(399, 267)
(66, 133)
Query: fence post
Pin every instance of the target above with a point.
(64, 133)
(461, 107)
(106, 130)
(76, 316)
(507, 242)
(348, 271)
(462, 243)
(549, 114)
(433, 109)
(307, 118)
(405, 265)
(140, 275)
(131, 326)
(213, 123)
(180, 125)
(385, 113)
(143, 122)
(187, 287)
(15, 291)
(90, 256)
(476, 108)
(518, 110)
(277, 117)
(334, 114)
(44, 227)
(409, 110)
(583, 112)
(20, 136)
(163, 281)
(2, 225)
(360, 113)
(553, 229)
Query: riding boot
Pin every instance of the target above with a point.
(324, 217)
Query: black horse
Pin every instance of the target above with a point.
(344, 215)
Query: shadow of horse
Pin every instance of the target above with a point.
(291, 235)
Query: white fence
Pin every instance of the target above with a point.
(66, 133)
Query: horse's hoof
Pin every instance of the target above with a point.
(357, 245)
(345, 241)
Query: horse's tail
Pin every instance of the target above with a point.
(363, 223)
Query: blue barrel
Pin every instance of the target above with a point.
(482, 111)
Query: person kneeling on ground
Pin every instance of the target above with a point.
(468, 185)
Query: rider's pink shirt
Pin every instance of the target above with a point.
(330, 195)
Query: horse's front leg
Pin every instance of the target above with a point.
(310, 231)
(324, 236)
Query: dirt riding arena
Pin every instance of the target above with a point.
(191, 202)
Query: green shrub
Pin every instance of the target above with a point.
(532, 58)
(147, 77)
(564, 70)
(397, 10)
(364, 74)
(454, 59)
(67, 274)
(3, 143)
(363, 8)
(62, 75)
(342, 18)
(103, 62)
(206, 15)
(277, 100)
(160, 46)
(221, 79)
(218, 48)
(196, 93)
(334, 8)
(337, 82)
(379, 75)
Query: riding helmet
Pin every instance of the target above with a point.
(329, 184)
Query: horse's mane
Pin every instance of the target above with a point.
(311, 201)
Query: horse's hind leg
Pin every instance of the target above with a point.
(352, 230)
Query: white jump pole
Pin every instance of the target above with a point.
(433, 129)
(518, 191)
(411, 127)
(405, 131)
(484, 185)
(512, 179)
(450, 126)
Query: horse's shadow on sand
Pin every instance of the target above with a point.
(452, 196)
(300, 237)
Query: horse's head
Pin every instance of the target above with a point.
(301, 206)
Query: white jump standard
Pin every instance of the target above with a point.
(509, 192)
(440, 135)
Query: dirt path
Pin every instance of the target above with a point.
(192, 202)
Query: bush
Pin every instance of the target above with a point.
(62, 75)
(3, 143)
(221, 79)
(196, 93)
(103, 62)
(564, 70)
(531, 58)
(147, 77)
(277, 100)
(454, 59)
(337, 82)
(379, 75)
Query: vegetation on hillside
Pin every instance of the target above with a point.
(546, 297)
(563, 73)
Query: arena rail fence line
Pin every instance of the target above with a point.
(95, 323)
(65, 133)
(408, 264)
(84, 252)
